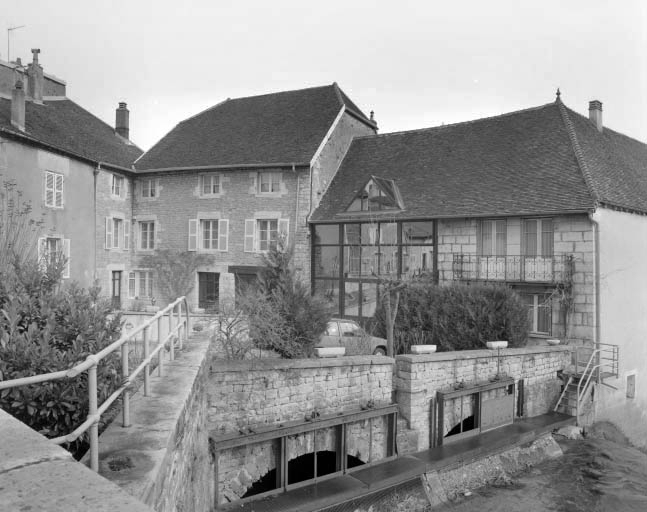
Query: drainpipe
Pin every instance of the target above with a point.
(96, 175)
(594, 217)
(296, 208)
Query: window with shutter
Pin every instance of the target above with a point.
(108, 244)
(223, 235)
(250, 235)
(126, 235)
(53, 190)
(193, 234)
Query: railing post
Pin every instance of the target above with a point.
(125, 397)
(147, 369)
(170, 333)
(160, 353)
(180, 331)
(92, 409)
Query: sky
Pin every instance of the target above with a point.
(415, 63)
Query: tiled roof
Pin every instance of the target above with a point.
(520, 163)
(65, 125)
(284, 127)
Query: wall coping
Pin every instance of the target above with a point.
(222, 366)
(480, 354)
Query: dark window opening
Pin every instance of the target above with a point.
(463, 426)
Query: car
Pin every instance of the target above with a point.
(341, 332)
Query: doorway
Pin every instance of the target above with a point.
(208, 284)
(116, 289)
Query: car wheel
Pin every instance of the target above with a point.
(379, 351)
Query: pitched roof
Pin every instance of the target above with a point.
(518, 163)
(63, 124)
(283, 127)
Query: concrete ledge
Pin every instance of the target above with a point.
(36, 474)
(292, 364)
(480, 354)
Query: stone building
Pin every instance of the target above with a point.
(64, 160)
(227, 181)
(545, 200)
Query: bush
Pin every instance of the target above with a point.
(457, 317)
(44, 330)
(282, 313)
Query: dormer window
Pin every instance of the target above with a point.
(377, 195)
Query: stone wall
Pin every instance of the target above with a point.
(419, 377)
(163, 457)
(247, 395)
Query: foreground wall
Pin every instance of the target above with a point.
(246, 396)
(623, 319)
(420, 377)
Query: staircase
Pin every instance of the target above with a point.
(592, 367)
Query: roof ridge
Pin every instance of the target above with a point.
(606, 128)
(280, 92)
(577, 149)
(452, 125)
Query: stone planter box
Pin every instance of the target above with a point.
(553, 341)
(330, 351)
(492, 345)
(423, 349)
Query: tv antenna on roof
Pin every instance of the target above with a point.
(9, 30)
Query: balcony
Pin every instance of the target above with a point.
(523, 269)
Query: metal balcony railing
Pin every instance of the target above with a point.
(177, 314)
(533, 269)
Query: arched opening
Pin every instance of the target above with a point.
(301, 469)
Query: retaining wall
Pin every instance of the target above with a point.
(420, 377)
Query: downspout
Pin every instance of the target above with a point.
(594, 218)
(96, 175)
(296, 208)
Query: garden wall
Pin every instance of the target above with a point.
(420, 377)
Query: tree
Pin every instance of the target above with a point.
(175, 271)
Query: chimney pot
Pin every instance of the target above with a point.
(595, 114)
(36, 78)
(18, 106)
(122, 120)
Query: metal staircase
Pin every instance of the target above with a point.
(592, 367)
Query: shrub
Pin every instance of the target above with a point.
(175, 271)
(283, 315)
(457, 317)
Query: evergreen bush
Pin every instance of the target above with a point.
(457, 317)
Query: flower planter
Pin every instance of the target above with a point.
(493, 345)
(330, 351)
(553, 341)
(423, 349)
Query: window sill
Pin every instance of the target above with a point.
(210, 196)
(51, 207)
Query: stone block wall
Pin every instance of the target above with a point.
(244, 395)
(419, 377)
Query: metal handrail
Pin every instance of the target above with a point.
(580, 395)
(179, 332)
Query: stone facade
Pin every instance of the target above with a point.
(572, 236)
(420, 377)
(259, 393)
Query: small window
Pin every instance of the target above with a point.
(209, 184)
(54, 251)
(118, 189)
(267, 233)
(269, 182)
(332, 329)
(149, 188)
(147, 235)
(140, 284)
(263, 234)
(53, 190)
(117, 233)
(209, 234)
(539, 312)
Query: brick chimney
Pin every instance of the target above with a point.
(35, 74)
(122, 120)
(595, 114)
(18, 106)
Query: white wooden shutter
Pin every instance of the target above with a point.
(193, 234)
(58, 192)
(66, 254)
(126, 235)
(284, 230)
(250, 235)
(49, 188)
(108, 232)
(124, 187)
(42, 251)
(223, 234)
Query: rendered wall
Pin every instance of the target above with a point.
(419, 377)
(623, 317)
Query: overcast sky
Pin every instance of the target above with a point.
(417, 64)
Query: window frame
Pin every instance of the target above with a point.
(540, 251)
(275, 178)
(151, 238)
(57, 178)
(149, 188)
(201, 184)
(540, 301)
(62, 247)
(135, 283)
(118, 186)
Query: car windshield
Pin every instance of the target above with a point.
(350, 329)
